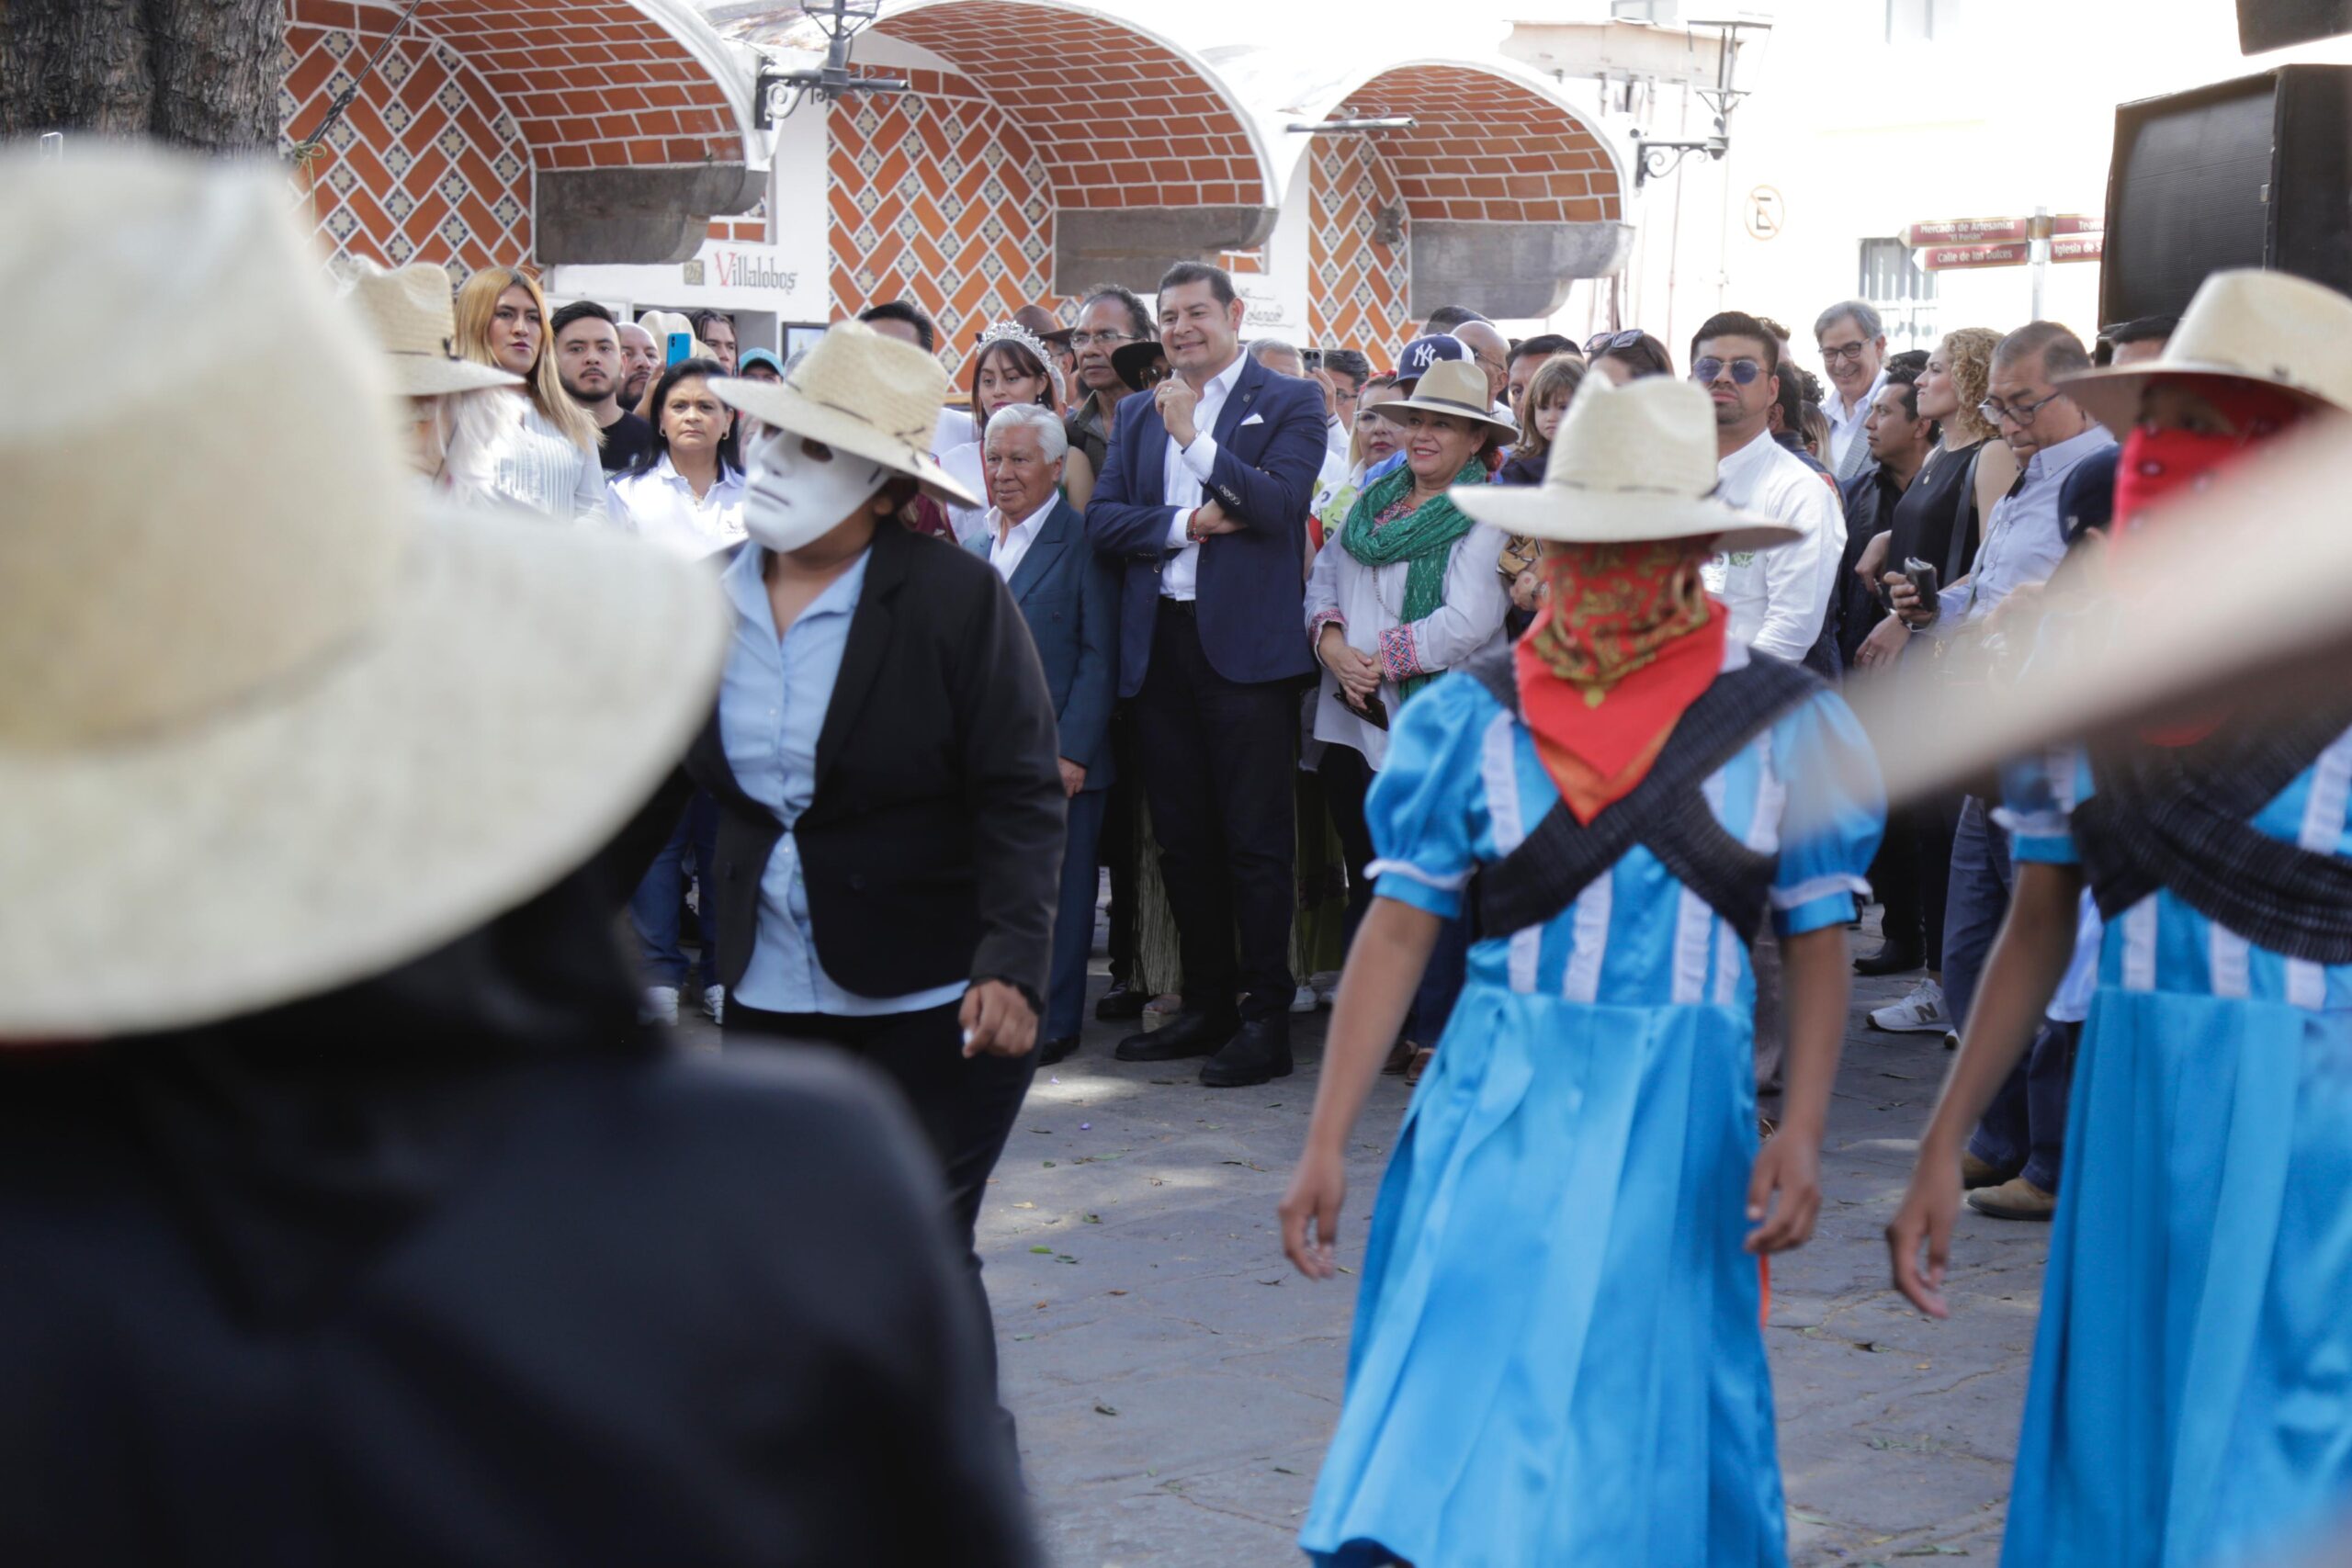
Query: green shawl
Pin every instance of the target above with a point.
(1424, 537)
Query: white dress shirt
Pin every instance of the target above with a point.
(1008, 545)
(1845, 429)
(1185, 486)
(1777, 597)
(659, 506)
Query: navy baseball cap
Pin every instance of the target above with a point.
(1424, 352)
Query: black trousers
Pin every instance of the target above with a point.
(1116, 849)
(1347, 779)
(965, 1108)
(1217, 756)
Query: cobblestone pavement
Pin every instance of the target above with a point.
(1175, 1381)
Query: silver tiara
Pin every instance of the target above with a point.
(1013, 331)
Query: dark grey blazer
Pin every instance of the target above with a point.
(1069, 596)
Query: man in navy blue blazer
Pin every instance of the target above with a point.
(1069, 596)
(1204, 498)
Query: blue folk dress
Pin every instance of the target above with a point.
(2190, 1403)
(1557, 1356)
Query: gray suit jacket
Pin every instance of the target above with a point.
(1069, 596)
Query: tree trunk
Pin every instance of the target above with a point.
(199, 72)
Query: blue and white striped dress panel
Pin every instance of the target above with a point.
(2162, 944)
(1463, 786)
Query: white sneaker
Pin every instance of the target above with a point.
(714, 1004)
(1921, 1012)
(1327, 986)
(660, 1006)
(1303, 999)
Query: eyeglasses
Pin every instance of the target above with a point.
(2020, 414)
(1851, 353)
(1743, 372)
(1609, 343)
(1108, 340)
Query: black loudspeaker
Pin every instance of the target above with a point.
(2252, 172)
(2265, 25)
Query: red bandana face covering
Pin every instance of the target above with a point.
(1627, 638)
(2158, 464)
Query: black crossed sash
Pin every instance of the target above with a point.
(1667, 813)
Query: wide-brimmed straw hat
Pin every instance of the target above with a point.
(1630, 464)
(409, 315)
(270, 722)
(862, 393)
(2270, 328)
(1454, 387)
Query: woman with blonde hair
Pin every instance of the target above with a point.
(551, 465)
(1939, 520)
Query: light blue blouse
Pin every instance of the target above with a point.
(1462, 785)
(772, 702)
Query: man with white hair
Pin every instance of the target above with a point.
(1069, 595)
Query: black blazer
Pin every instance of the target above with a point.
(932, 849)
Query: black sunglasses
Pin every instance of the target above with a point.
(1609, 343)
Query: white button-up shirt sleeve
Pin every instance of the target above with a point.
(1188, 471)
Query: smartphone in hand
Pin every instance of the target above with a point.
(1923, 581)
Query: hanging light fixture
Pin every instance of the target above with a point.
(1655, 159)
(778, 91)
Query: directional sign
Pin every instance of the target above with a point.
(1963, 232)
(1993, 231)
(2078, 247)
(1956, 258)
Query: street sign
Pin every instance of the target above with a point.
(1993, 231)
(1963, 232)
(1957, 258)
(2078, 247)
(1767, 214)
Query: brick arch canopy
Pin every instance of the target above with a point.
(601, 83)
(1486, 147)
(1094, 97)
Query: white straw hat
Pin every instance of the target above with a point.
(862, 393)
(266, 725)
(409, 313)
(1454, 387)
(2267, 327)
(1629, 464)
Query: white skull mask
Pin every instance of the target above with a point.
(793, 497)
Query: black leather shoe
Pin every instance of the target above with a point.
(1053, 1051)
(1187, 1034)
(1121, 1001)
(1891, 960)
(1261, 1052)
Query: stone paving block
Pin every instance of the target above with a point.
(1226, 1386)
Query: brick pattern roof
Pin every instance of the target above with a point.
(938, 197)
(1355, 287)
(424, 166)
(1487, 149)
(592, 83)
(1096, 101)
